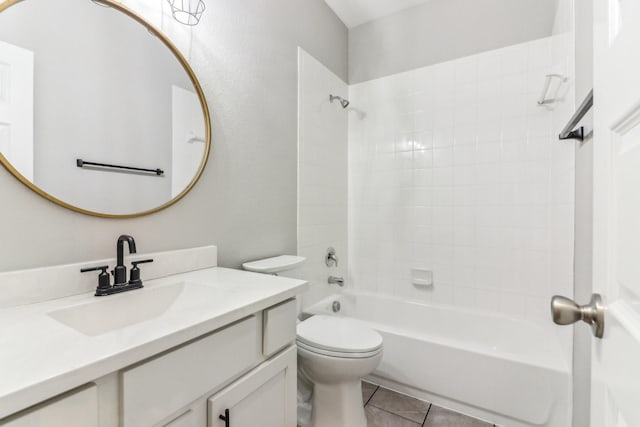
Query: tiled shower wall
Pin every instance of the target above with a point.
(456, 169)
(322, 175)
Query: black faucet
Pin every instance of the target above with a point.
(120, 272)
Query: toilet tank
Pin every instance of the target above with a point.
(274, 265)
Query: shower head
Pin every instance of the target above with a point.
(343, 101)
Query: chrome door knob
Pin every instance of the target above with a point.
(566, 312)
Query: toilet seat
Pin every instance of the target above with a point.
(337, 354)
(338, 337)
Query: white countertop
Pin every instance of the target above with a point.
(41, 357)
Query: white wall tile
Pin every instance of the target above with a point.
(489, 65)
(479, 190)
(443, 137)
(323, 177)
(442, 157)
(514, 59)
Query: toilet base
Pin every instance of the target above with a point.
(338, 405)
(336, 377)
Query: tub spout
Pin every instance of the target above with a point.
(336, 280)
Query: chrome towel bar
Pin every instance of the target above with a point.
(547, 84)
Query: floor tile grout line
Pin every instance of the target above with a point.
(427, 414)
(426, 417)
(371, 397)
(395, 415)
(460, 413)
(378, 387)
(398, 415)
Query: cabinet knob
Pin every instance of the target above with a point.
(226, 418)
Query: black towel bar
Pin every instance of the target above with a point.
(569, 131)
(82, 163)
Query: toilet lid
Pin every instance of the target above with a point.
(338, 334)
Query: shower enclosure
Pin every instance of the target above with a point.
(451, 172)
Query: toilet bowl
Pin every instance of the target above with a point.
(335, 353)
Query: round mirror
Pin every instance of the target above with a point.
(99, 111)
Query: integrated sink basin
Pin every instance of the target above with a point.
(110, 313)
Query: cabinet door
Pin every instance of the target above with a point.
(264, 397)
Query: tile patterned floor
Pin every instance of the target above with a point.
(386, 408)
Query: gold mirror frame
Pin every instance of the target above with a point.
(203, 103)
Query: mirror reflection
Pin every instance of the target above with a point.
(95, 110)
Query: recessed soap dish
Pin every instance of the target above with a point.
(421, 277)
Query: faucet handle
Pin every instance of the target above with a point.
(104, 281)
(144, 261)
(331, 258)
(134, 274)
(104, 269)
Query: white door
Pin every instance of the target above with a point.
(615, 389)
(16, 107)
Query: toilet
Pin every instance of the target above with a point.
(334, 354)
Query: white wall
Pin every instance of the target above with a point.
(322, 176)
(442, 30)
(245, 55)
(456, 169)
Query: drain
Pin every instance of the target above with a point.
(335, 306)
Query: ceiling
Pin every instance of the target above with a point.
(356, 12)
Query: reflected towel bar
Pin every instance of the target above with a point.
(82, 163)
(569, 131)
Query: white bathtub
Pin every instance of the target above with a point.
(505, 371)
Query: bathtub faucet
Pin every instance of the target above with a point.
(331, 258)
(336, 280)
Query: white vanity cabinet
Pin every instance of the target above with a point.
(264, 396)
(247, 367)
